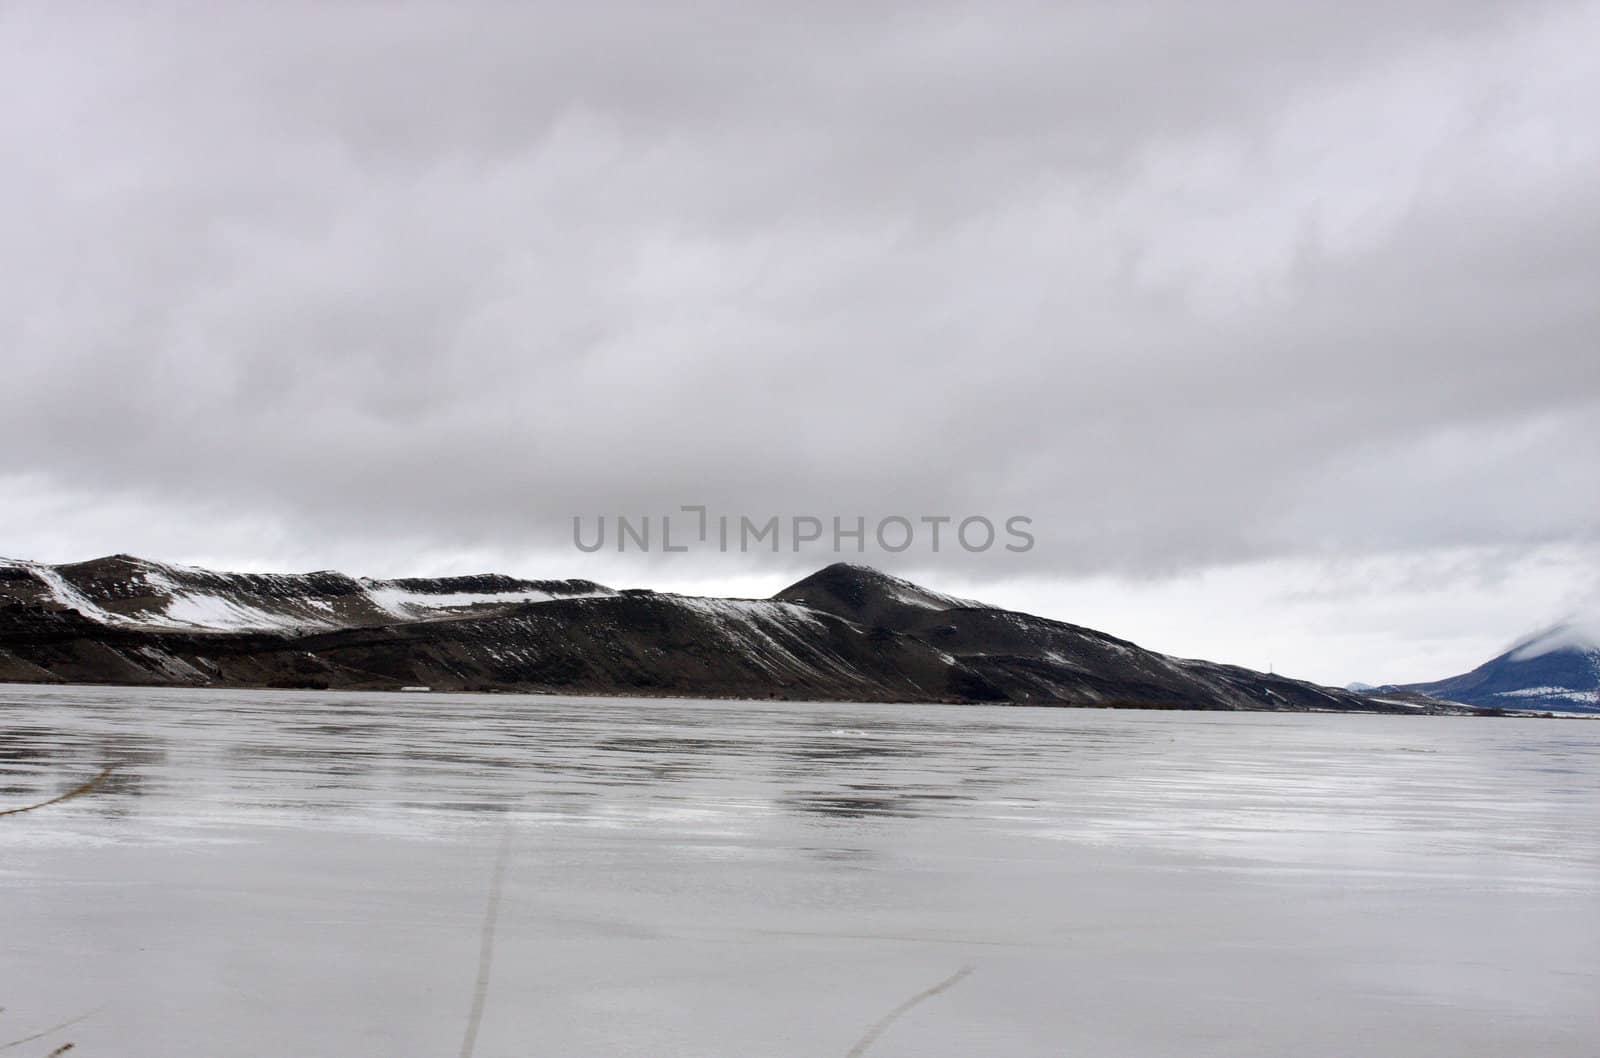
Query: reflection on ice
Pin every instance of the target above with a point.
(694, 878)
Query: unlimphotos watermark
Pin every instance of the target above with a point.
(696, 528)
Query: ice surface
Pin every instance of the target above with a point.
(287, 873)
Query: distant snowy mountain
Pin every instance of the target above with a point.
(847, 633)
(1556, 669)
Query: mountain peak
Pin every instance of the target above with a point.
(120, 560)
(1557, 668)
(864, 593)
(1579, 633)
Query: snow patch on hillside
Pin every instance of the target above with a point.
(215, 613)
(65, 594)
(1563, 693)
(903, 591)
(187, 609)
(767, 632)
(410, 605)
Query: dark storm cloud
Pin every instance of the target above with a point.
(1185, 283)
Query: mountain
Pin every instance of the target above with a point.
(1556, 669)
(844, 633)
(123, 591)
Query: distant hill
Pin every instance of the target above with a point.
(1556, 669)
(844, 633)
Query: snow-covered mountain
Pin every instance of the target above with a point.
(844, 633)
(1556, 669)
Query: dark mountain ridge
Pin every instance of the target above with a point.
(844, 633)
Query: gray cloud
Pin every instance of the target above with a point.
(1188, 284)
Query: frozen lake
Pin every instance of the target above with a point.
(304, 874)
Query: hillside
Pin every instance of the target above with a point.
(844, 633)
(1557, 669)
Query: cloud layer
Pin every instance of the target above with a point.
(1192, 286)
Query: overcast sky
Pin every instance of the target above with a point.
(1280, 321)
